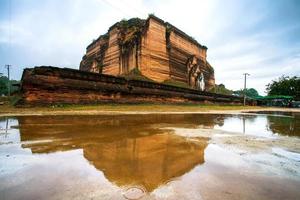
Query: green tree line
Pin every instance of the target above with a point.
(285, 85)
(221, 89)
(4, 85)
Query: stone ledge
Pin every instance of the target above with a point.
(53, 85)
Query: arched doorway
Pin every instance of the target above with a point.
(196, 78)
(200, 82)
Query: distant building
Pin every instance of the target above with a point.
(275, 100)
(153, 49)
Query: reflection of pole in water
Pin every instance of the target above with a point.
(6, 127)
(244, 126)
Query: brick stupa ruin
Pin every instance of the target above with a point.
(136, 61)
(153, 49)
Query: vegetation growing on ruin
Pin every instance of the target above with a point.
(135, 74)
(168, 33)
(130, 33)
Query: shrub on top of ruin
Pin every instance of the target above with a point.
(151, 15)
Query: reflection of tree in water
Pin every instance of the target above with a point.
(249, 118)
(5, 124)
(3, 121)
(128, 149)
(219, 120)
(285, 125)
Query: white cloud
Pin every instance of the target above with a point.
(241, 36)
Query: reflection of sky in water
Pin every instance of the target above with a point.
(9, 134)
(249, 125)
(287, 154)
(116, 152)
(10, 147)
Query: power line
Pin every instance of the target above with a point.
(7, 66)
(9, 18)
(245, 79)
(122, 11)
(115, 7)
(8, 76)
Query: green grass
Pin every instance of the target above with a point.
(102, 108)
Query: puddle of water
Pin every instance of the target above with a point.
(262, 125)
(134, 192)
(140, 157)
(286, 154)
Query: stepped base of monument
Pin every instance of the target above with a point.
(51, 85)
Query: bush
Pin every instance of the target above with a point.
(285, 85)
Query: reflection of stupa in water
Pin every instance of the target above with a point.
(126, 153)
(149, 161)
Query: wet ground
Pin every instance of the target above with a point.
(151, 156)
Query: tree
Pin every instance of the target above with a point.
(285, 85)
(221, 89)
(4, 83)
(251, 92)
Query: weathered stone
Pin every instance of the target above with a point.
(154, 50)
(52, 85)
(159, 50)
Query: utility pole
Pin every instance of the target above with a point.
(8, 84)
(245, 79)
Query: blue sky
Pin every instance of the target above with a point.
(261, 37)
